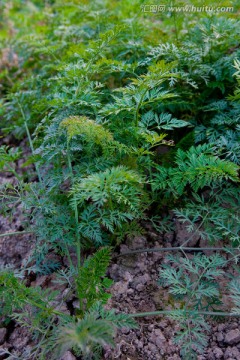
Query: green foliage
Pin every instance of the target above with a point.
(129, 115)
(16, 295)
(33, 309)
(235, 295)
(114, 188)
(97, 327)
(165, 121)
(236, 96)
(192, 337)
(91, 281)
(193, 282)
(8, 156)
(198, 168)
(82, 126)
(213, 217)
(93, 326)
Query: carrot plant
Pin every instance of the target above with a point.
(125, 116)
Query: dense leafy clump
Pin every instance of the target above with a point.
(127, 118)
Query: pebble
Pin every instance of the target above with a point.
(152, 348)
(3, 333)
(130, 291)
(125, 330)
(218, 353)
(140, 287)
(232, 337)
(68, 356)
(220, 337)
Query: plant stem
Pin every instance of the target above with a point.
(29, 139)
(42, 307)
(169, 312)
(139, 105)
(16, 233)
(179, 248)
(68, 255)
(12, 170)
(75, 210)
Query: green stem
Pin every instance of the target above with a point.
(138, 107)
(169, 312)
(12, 170)
(16, 233)
(37, 348)
(68, 255)
(179, 248)
(78, 240)
(75, 210)
(195, 286)
(42, 307)
(77, 235)
(29, 139)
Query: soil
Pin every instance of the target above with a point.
(135, 290)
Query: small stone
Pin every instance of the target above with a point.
(233, 326)
(3, 333)
(140, 287)
(125, 330)
(157, 256)
(220, 337)
(68, 356)
(120, 287)
(65, 293)
(76, 304)
(159, 334)
(162, 324)
(127, 276)
(144, 279)
(40, 281)
(232, 337)
(221, 327)
(138, 344)
(157, 338)
(152, 348)
(218, 353)
(130, 291)
(159, 342)
(152, 236)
